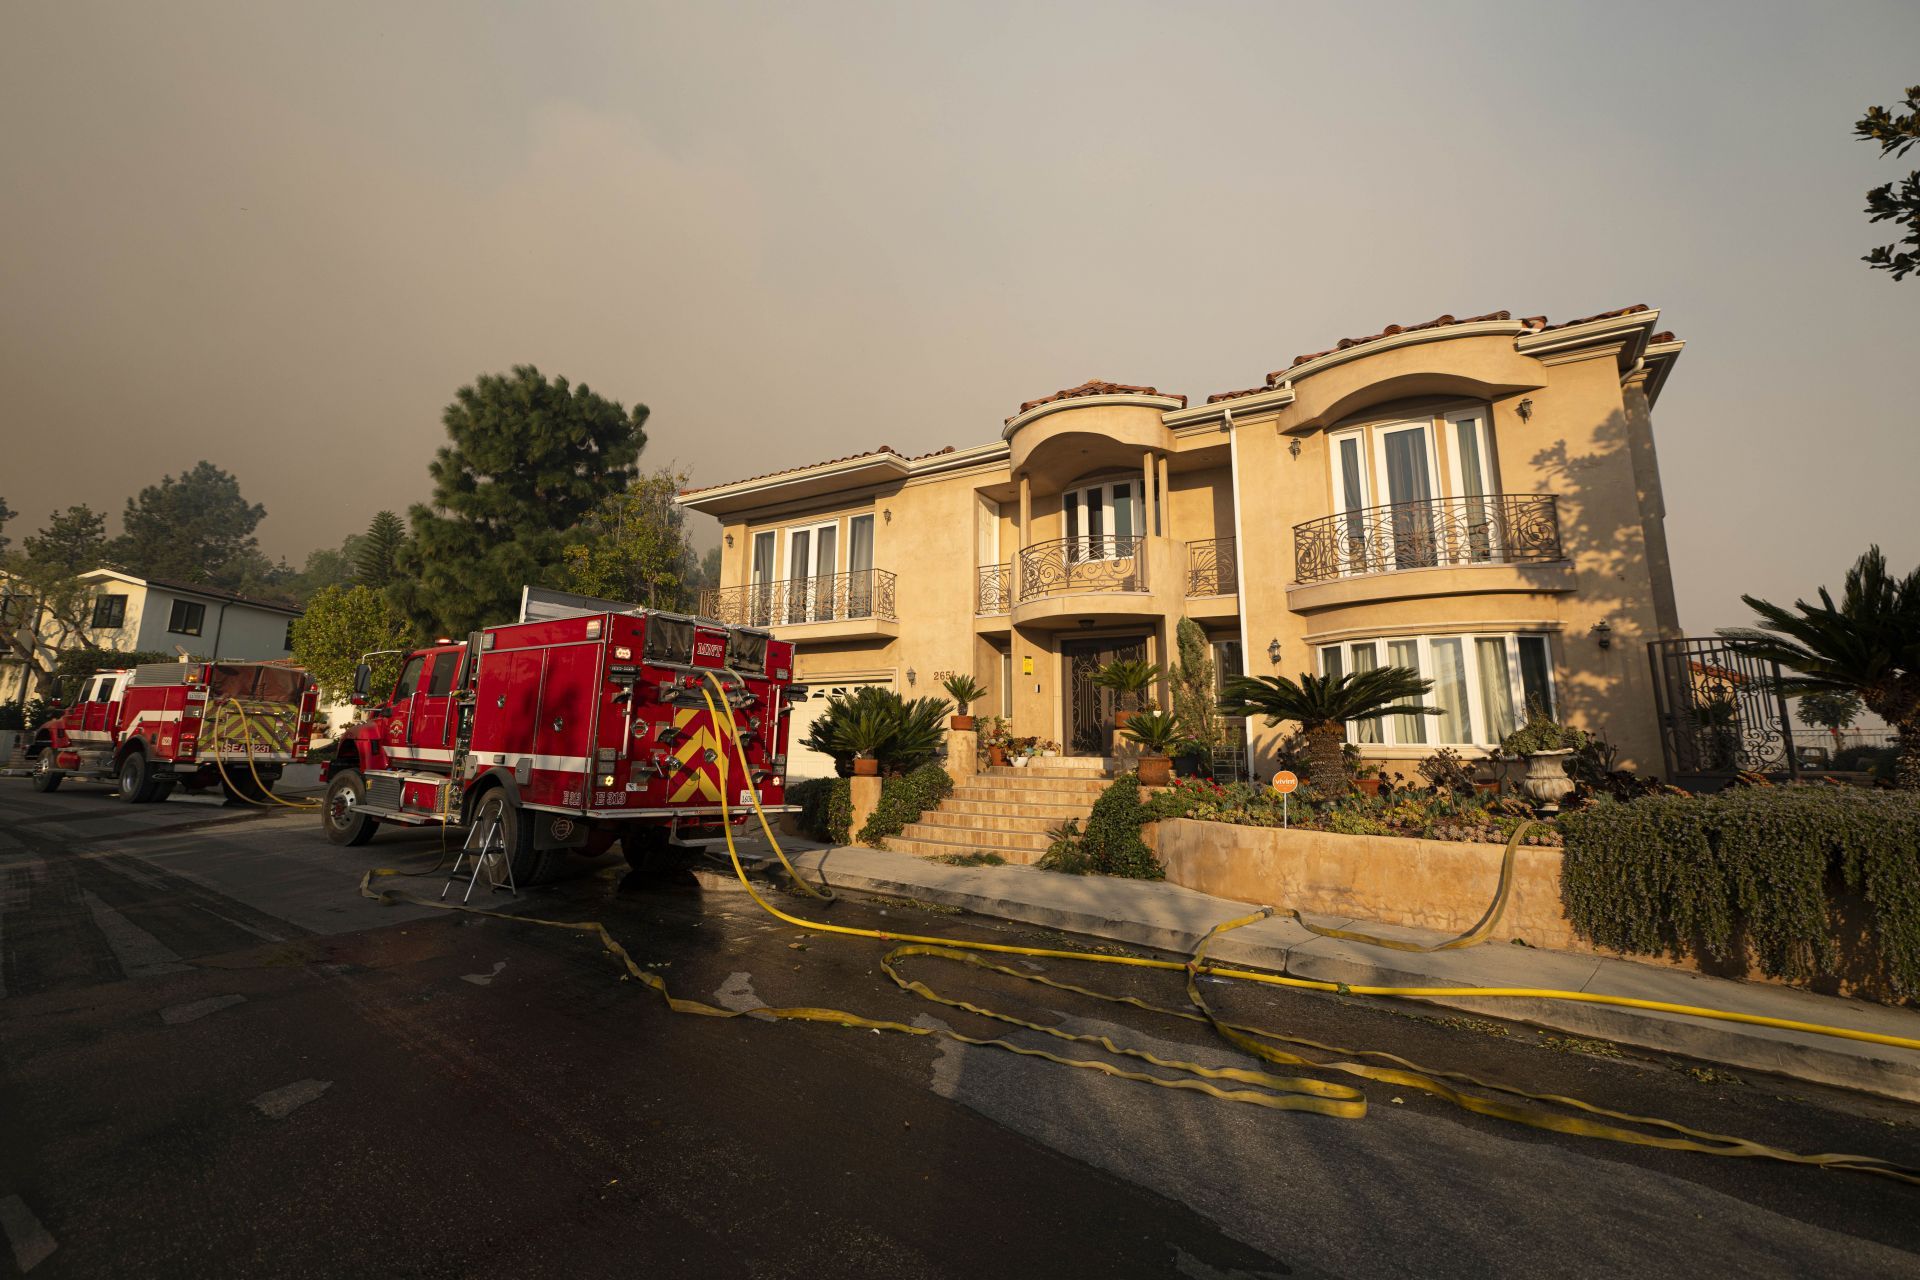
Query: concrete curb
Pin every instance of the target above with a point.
(1169, 918)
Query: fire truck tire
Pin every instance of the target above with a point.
(45, 776)
(530, 865)
(137, 783)
(340, 811)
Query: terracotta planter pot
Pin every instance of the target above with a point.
(865, 767)
(1367, 786)
(960, 722)
(1484, 787)
(1155, 771)
(1122, 718)
(997, 757)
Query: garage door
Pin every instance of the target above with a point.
(802, 763)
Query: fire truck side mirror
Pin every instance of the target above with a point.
(362, 681)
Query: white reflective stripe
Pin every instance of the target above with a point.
(400, 751)
(550, 764)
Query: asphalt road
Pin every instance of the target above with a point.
(217, 1059)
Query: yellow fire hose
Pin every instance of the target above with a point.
(1286, 1093)
(249, 732)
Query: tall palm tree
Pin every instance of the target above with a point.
(1868, 645)
(1323, 706)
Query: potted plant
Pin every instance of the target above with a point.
(865, 731)
(993, 740)
(1156, 732)
(1366, 778)
(1048, 747)
(1022, 750)
(1130, 678)
(965, 691)
(1323, 706)
(1545, 745)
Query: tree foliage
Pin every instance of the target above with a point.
(1867, 645)
(633, 546)
(1193, 689)
(341, 624)
(6, 513)
(1830, 711)
(196, 527)
(376, 553)
(71, 542)
(528, 458)
(1898, 204)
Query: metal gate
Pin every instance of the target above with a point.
(1721, 713)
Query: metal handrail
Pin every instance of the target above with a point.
(1213, 567)
(1066, 566)
(1508, 528)
(993, 589)
(837, 597)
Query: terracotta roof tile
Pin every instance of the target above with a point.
(1218, 396)
(1665, 335)
(1633, 310)
(1095, 387)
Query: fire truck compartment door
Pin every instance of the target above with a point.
(563, 733)
(802, 763)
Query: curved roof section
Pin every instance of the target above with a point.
(1095, 387)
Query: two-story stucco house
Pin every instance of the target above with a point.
(153, 615)
(1477, 498)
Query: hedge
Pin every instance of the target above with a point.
(903, 800)
(1750, 873)
(1111, 844)
(826, 807)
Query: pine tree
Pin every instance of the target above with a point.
(379, 550)
(194, 528)
(528, 458)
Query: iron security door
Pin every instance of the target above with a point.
(1089, 711)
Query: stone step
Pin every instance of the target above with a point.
(1013, 808)
(1065, 766)
(1024, 782)
(978, 837)
(948, 848)
(944, 817)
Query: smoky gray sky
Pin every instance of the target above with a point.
(280, 236)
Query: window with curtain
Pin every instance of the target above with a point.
(1483, 685)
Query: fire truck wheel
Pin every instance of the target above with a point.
(530, 865)
(45, 776)
(137, 783)
(340, 811)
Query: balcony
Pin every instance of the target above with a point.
(1213, 568)
(842, 605)
(1076, 566)
(993, 590)
(1438, 533)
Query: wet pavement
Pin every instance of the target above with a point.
(216, 1059)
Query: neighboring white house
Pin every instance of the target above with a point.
(159, 615)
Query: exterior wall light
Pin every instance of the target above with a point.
(729, 540)
(1273, 651)
(1525, 409)
(1293, 446)
(912, 675)
(886, 514)
(1603, 632)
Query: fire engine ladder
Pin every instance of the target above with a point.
(485, 850)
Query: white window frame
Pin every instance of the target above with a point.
(1448, 483)
(1081, 543)
(1470, 662)
(1481, 417)
(1348, 563)
(811, 608)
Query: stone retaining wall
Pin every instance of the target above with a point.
(1425, 884)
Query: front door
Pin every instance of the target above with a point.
(1090, 709)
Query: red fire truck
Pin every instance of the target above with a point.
(565, 734)
(168, 724)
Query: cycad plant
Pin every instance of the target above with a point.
(1155, 731)
(964, 690)
(1130, 678)
(1868, 644)
(1323, 706)
(874, 722)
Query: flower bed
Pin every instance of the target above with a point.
(1416, 814)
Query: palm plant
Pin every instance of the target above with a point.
(879, 724)
(1868, 644)
(1130, 678)
(1155, 731)
(1323, 706)
(917, 734)
(964, 690)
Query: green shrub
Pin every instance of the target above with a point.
(1111, 844)
(1749, 872)
(826, 808)
(903, 800)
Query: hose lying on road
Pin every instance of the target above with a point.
(249, 733)
(1261, 1088)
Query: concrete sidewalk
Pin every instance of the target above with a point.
(1170, 918)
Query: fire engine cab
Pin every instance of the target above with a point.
(568, 732)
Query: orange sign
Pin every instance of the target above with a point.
(1284, 783)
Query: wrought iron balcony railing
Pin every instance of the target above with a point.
(993, 591)
(1213, 567)
(838, 597)
(1067, 566)
(1498, 529)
